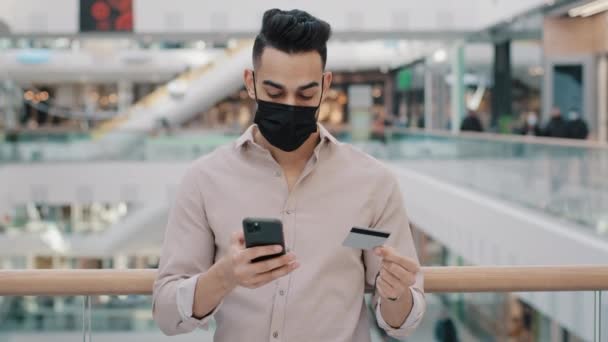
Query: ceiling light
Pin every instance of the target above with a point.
(232, 44)
(53, 238)
(177, 88)
(589, 9)
(602, 226)
(440, 56)
(536, 71)
(201, 45)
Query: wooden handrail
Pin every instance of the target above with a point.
(510, 138)
(437, 279)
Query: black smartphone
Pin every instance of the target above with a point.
(263, 232)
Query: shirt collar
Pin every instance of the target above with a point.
(247, 136)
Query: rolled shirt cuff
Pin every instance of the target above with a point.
(185, 301)
(411, 322)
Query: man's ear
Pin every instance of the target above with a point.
(249, 83)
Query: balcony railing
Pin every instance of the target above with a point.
(437, 280)
(132, 314)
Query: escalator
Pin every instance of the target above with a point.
(184, 96)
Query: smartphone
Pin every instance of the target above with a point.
(263, 232)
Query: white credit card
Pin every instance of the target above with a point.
(368, 239)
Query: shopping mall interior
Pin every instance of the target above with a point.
(492, 115)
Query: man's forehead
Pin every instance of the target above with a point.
(273, 61)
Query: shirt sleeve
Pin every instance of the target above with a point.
(188, 250)
(392, 217)
(412, 321)
(185, 301)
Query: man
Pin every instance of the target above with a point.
(530, 127)
(556, 128)
(576, 126)
(471, 123)
(287, 167)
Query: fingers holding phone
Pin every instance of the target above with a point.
(272, 269)
(258, 255)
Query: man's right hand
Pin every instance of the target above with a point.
(238, 270)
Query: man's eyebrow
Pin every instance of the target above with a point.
(309, 85)
(273, 84)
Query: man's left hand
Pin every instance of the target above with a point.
(397, 274)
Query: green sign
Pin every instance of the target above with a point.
(404, 79)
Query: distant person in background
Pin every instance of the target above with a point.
(471, 123)
(520, 323)
(576, 127)
(530, 126)
(556, 128)
(402, 121)
(445, 330)
(165, 126)
(381, 125)
(417, 119)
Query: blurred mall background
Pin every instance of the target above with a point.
(492, 113)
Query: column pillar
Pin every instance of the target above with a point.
(429, 107)
(602, 99)
(125, 96)
(359, 108)
(457, 100)
(502, 104)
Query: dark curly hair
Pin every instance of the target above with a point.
(292, 32)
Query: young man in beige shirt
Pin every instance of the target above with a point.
(288, 167)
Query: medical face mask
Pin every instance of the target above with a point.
(286, 127)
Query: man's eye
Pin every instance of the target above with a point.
(306, 97)
(275, 96)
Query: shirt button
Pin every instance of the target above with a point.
(277, 174)
(275, 334)
(282, 293)
(288, 212)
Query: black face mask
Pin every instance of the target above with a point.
(285, 127)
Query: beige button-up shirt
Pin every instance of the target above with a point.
(322, 300)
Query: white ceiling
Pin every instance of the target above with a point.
(244, 17)
(65, 66)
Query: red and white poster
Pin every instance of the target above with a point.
(106, 15)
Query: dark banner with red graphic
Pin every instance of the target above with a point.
(106, 15)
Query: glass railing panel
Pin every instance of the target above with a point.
(400, 145)
(601, 316)
(40, 314)
(186, 146)
(563, 181)
(116, 145)
(67, 219)
(70, 147)
(470, 317)
(502, 317)
(130, 313)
